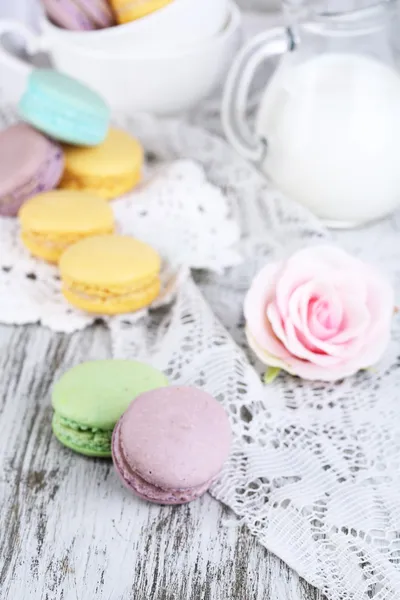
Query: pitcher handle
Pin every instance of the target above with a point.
(32, 43)
(236, 92)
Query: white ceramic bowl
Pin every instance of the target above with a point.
(164, 83)
(180, 23)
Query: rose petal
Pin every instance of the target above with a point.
(325, 317)
(264, 356)
(373, 352)
(328, 258)
(324, 263)
(354, 323)
(286, 332)
(380, 299)
(260, 293)
(304, 369)
(349, 283)
(302, 266)
(304, 304)
(307, 370)
(380, 305)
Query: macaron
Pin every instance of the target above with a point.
(89, 399)
(80, 15)
(108, 170)
(64, 109)
(110, 274)
(170, 445)
(53, 221)
(129, 10)
(29, 163)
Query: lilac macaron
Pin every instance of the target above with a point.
(171, 444)
(30, 163)
(80, 15)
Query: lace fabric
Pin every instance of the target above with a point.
(314, 472)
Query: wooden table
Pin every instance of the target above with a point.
(70, 531)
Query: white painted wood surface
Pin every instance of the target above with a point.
(70, 531)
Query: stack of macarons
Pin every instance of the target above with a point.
(65, 141)
(168, 443)
(101, 272)
(55, 109)
(87, 15)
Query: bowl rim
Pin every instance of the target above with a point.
(233, 24)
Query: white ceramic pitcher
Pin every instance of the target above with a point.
(327, 130)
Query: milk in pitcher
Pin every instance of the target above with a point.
(333, 128)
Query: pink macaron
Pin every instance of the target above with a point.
(80, 15)
(29, 163)
(171, 444)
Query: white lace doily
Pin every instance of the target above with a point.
(314, 472)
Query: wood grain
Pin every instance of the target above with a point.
(70, 531)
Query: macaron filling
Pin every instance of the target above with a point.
(143, 488)
(109, 186)
(57, 241)
(109, 303)
(83, 438)
(104, 294)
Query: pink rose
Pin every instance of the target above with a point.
(322, 314)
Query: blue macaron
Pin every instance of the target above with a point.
(64, 108)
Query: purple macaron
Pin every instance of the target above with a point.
(30, 163)
(171, 444)
(80, 15)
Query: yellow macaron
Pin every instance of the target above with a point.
(52, 221)
(108, 170)
(110, 274)
(129, 10)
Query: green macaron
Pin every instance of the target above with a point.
(90, 398)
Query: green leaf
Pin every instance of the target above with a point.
(271, 374)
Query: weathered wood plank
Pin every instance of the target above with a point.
(69, 529)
